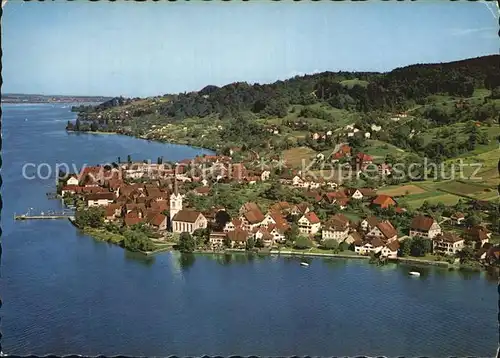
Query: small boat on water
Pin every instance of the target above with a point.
(414, 273)
(305, 264)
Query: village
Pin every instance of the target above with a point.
(163, 198)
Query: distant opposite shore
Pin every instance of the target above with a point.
(38, 98)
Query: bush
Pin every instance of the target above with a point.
(330, 244)
(303, 243)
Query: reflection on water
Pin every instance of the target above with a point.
(146, 260)
(186, 261)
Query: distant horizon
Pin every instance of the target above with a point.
(149, 49)
(261, 83)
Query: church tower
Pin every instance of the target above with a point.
(175, 201)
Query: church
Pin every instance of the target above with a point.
(184, 220)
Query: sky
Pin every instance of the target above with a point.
(152, 48)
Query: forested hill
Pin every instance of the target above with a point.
(450, 109)
(361, 91)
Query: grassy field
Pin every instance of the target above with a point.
(295, 156)
(460, 188)
(401, 190)
(434, 198)
(380, 149)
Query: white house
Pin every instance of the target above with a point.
(265, 175)
(309, 223)
(73, 180)
(447, 243)
(365, 248)
(390, 250)
(369, 223)
(100, 199)
(337, 228)
(384, 230)
(424, 226)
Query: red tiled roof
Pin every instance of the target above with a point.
(132, 220)
(202, 190)
(312, 217)
(422, 223)
(448, 237)
(70, 188)
(186, 215)
(238, 235)
(384, 201)
(302, 207)
(387, 229)
(157, 219)
(478, 233)
(393, 245)
(101, 196)
(254, 216)
(364, 157)
(372, 221)
(249, 206)
(343, 201)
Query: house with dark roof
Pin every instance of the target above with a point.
(252, 219)
(336, 228)
(368, 246)
(424, 226)
(384, 230)
(352, 237)
(478, 235)
(369, 223)
(238, 238)
(390, 250)
(247, 207)
(300, 209)
(458, 218)
(447, 243)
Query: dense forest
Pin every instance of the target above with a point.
(390, 91)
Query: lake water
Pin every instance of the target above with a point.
(65, 293)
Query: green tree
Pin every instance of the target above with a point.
(292, 233)
(330, 244)
(201, 236)
(187, 243)
(405, 247)
(420, 246)
(250, 243)
(466, 255)
(473, 220)
(303, 243)
(90, 217)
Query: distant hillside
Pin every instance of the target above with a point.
(451, 110)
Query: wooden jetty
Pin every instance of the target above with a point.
(50, 215)
(42, 217)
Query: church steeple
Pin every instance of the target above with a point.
(175, 201)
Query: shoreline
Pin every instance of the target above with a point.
(287, 253)
(175, 142)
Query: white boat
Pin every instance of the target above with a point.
(414, 273)
(305, 264)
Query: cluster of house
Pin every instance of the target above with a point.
(160, 206)
(155, 205)
(370, 235)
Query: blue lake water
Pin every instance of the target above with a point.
(65, 293)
